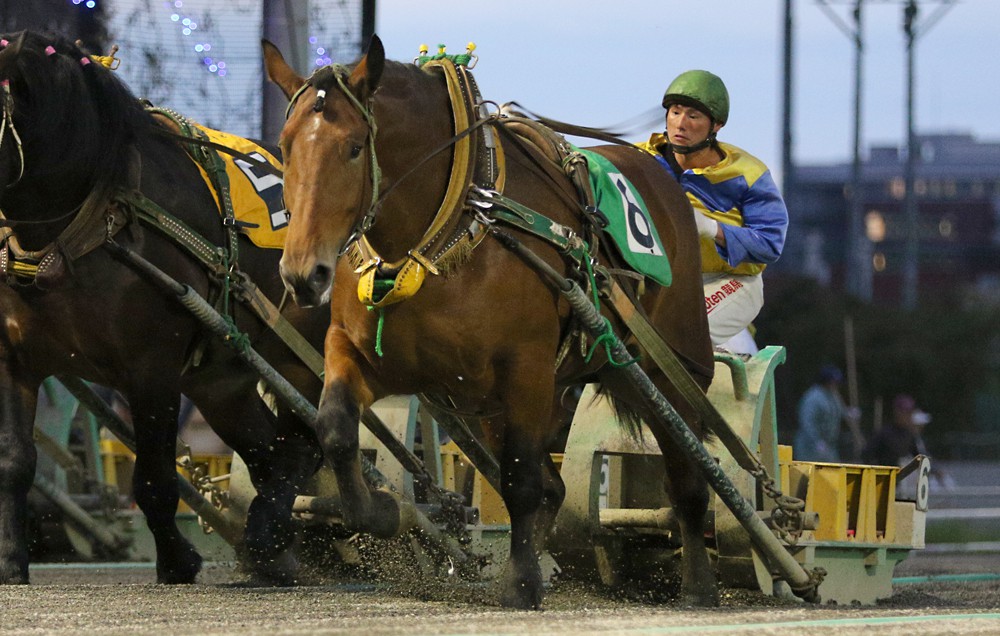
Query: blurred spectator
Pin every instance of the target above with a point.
(821, 412)
(899, 441)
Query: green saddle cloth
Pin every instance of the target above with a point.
(628, 219)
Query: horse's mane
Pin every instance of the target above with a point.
(78, 115)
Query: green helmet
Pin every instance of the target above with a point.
(702, 90)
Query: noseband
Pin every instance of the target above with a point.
(339, 72)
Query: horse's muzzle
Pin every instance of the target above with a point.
(310, 289)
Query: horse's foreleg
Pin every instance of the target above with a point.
(345, 395)
(154, 484)
(17, 470)
(524, 486)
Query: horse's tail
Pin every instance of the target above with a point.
(628, 417)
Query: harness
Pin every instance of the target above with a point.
(102, 216)
(477, 162)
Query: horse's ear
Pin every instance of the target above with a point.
(10, 51)
(278, 70)
(367, 74)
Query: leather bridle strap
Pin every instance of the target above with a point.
(8, 120)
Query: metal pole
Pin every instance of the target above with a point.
(859, 271)
(857, 254)
(787, 162)
(910, 211)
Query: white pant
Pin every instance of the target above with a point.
(731, 302)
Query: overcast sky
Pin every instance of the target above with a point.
(600, 63)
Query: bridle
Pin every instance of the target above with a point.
(8, 121)
(339, 72)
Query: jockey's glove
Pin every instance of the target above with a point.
(707, 228)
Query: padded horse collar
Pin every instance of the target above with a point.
(477, 159)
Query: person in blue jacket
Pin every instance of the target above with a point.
(741, 216)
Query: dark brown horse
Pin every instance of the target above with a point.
(485, 338)
(75, 140)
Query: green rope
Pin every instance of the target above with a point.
(608, 337)
(378, 330)
(236, 338)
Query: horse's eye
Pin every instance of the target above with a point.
(355, 151)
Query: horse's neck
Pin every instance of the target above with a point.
(414, 121)
(52, 198)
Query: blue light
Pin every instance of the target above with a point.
(91, 4)
(321, 50)
(222, 73)
(175, 17)
(213, 68)
(312, 39)
(186, 31)
(222, 65)
(186, 21)
(199, 48)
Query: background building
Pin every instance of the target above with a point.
(957, 188)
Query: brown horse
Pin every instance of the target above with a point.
(73, 139)
(485, 338)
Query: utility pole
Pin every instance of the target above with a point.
(911, 214)
(787, 160)
(911, 211)
(857, 258)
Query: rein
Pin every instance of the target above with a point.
(8, 120)
(207, 143)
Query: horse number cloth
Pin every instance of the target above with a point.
(256, 195)
(628, 219)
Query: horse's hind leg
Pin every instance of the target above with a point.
(686, 487)
(154, 483)
(17, 470)
(688, 493)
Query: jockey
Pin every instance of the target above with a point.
(740, 214)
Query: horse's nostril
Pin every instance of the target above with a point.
(321, 277)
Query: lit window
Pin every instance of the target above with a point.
(878, 262)
(875, 226)
(897, 188)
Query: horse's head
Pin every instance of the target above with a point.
(331, 172)
(67, 124)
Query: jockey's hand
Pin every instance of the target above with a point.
(707, 228)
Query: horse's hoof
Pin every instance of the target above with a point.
(389, 517)
(521, 597)
(279, 571)
(13, 575)
(704, 599)
(522, 592)
(179, 571)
